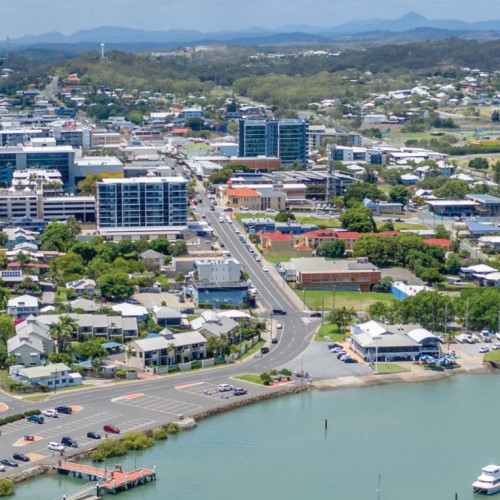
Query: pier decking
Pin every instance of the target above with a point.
(109, 480)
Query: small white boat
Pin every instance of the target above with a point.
(488, 481)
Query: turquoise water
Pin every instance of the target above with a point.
(428, 442)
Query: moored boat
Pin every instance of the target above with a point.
(488, 481)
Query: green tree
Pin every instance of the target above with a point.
(56, 237)
(334, 249)
(62, 332)
(179, 248)
(341, 317)
(115, 285)
(180, 278)
(431, 275)
(68, 267)
(442, 232)
(161, 245)
(6, 488)
(91, 349)
(399, 194)
(6, 327)
(358, 219)
(284, 216)
(3, 239)
(453, 189)
(379, 250)
(479, 163)
(453, 264)
(88, 186)
(496, 172)
(495, 116)
(478, 307)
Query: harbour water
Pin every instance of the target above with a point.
(427, 441)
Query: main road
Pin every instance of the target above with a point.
(149, 403)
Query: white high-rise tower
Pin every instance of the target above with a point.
(102, 50)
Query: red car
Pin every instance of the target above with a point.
(111, 428)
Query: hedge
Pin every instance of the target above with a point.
(18, 416)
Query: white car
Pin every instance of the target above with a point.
(279, 326)
(2, 468)
(484, 349)
(221, 220)
(51, 413)
(237, 231)
(265, 269)
(55, 446)
(225, 388)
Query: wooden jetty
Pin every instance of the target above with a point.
(108, 480)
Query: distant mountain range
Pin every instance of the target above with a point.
(411, 25)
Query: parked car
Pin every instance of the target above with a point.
(265, 269)
(55, 446)
(21, 457)
(264, 350)
(348, 359)
(111, 428)
(67, 441)
(279, 326)
(315, 315)
(93, 435)
(38, 419)
(334, 345)
(50, 413)
(239, 391)
(64, 409)
(340, 354)
(274, 340)
(187, 310)
(9, 462)
(225, 388)
(484, 349)
(132, 301)
(336, 350)
(2, 468)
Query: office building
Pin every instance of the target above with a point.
(285, 139)
(140, 202)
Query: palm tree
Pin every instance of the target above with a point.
(74, 226)
(129, 351)
(62, 332)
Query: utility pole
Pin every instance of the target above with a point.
(330, 180)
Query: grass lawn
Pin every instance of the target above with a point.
(253, 350)
(274, 259)
(248, 377)
(36, 397)
(356, 300)
(329, 333)
(492, 356)
(398, 226)
(326, 222)
(390, 368)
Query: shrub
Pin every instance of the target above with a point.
(121, 373)
(136, 440)
(6, 488)
(159, 434)
(172, 428)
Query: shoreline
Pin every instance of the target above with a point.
(321, 385)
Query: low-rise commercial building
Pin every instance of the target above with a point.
(51, 376)
(317, 273)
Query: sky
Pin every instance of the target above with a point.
(32, 17)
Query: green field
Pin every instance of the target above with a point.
(358, 301)
(248, 377)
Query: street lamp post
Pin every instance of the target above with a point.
(55, 381)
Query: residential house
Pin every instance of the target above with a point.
(22, 307)
(97, 325)
(81, 287)
(476, 272)
(167, 316)
(86, 305)
(166, 350)
(52, 376)
(401, 290)
(152, 259)
(131, 311)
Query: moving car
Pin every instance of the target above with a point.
(239, 391)
(50, 413)
(315, 315)
(64, 409)
(279, 311)
(38, 419)
(111, 428)
(221, 220)
(21, 457)
(264, 350)
(67, 441)
(2, 468)
(55, 446)
(265, 269)
(225, 388)
(274, 340)
(9, 462)
(279, 326)
(93, 435)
